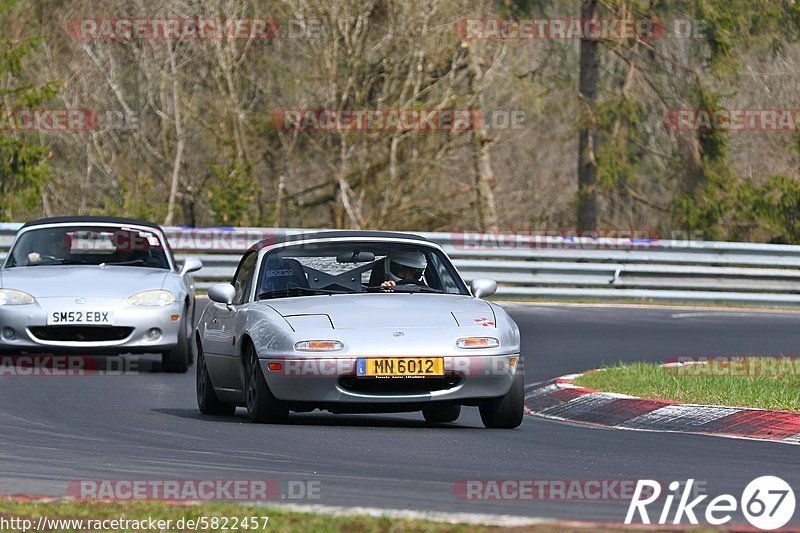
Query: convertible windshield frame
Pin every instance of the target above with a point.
(350, 279)
(165, 260)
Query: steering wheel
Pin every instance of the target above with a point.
(45, 259)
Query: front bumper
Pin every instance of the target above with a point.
(326, 380)
(23, 328)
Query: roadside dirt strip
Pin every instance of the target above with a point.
(560, 399)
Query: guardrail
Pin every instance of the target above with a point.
(556, 268)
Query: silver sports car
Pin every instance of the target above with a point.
(356, 321)
(96, 285)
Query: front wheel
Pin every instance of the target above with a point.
(177, 359)
(207, 399)
(262, 406)
(506, 412)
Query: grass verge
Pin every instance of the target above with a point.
(766, 383)
(279, 520)
(205, 515)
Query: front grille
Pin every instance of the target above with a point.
(81, 333)
(399, 385)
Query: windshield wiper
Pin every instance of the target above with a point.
(415, 288)
(296, 291)
(126, 263)
(58, 261)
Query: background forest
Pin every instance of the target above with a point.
(186, 135)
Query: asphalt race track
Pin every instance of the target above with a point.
(146, 426)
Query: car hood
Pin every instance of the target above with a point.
(370, 311)
(72, 280)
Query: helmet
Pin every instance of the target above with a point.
(396, 262)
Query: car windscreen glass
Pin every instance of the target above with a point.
(318, 268)
(88, 245)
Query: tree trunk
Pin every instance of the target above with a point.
(587, 136)
(484, 177)
(481, 154)
(280, 201)
(179, 137)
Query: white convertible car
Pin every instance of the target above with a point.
(357, 321)
(96, 285)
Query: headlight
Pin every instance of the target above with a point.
(160, 298)
(477, 342)
(12, 297)
(318, 346)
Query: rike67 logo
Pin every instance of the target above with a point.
(767, 502)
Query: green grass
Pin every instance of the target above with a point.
(759, 382)
(279, 520)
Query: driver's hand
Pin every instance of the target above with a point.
(34, 257)
(386, 286)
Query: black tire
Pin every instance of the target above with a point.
(207, 399)
(262, 406)
(441, 414)
(506, 412)
(177, 359)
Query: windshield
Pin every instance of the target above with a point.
(356, 267)
(88, 245)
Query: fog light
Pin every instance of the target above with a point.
(275, 367)
(8, 333)
(153, 334)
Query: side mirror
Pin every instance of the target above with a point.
(192, 264)
(483, 287)
(223, 293)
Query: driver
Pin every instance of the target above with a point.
(58, 248)
(403, 268)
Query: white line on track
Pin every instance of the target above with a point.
(730, 314)
(405, 514)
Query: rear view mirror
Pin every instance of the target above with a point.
(355, 257)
